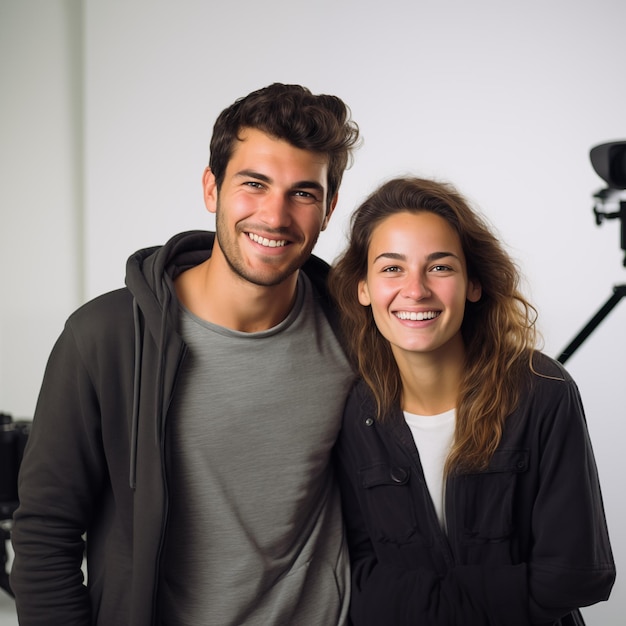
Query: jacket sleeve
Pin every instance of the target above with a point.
(571, 562)
(60, 479)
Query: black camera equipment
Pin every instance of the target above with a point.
(609, 162)
(13, 437)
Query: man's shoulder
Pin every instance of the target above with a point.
(317, 270)
(112, 310)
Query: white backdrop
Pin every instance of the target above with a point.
(106, 147)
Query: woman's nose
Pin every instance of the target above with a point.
(416, 287)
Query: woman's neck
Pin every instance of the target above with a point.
(431, 381)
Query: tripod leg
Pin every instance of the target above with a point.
(4, 575)
(618, 293)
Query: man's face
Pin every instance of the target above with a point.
(271, 207)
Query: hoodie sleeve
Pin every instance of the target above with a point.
(60, 478)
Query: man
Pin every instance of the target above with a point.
(185, 423)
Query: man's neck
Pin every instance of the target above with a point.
(214, 293)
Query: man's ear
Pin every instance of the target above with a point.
(209, 189)
(364, 294)
(329, 211)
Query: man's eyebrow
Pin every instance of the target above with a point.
(253, 174)
(302, 184)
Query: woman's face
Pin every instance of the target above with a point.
(417, 283)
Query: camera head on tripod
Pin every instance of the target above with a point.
(609, 162)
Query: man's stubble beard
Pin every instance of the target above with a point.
(235, 261)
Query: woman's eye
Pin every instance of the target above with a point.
(441, 268)
(391, 269)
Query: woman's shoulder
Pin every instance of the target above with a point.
(549, 387)
(545, 368)
(360, 402)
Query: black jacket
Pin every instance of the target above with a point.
(94, 462)
(526, 539)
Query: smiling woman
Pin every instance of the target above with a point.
(417, 286)
(461, 439)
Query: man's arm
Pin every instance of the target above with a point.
(60, 478)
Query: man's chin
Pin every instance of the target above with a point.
(267, 277)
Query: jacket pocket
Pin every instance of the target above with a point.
(486, 499)
(388, 496)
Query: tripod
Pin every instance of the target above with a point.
(5, 536)
(619, 291)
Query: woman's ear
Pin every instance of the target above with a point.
(364, 294)
(474, 290)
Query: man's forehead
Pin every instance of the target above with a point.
(261, 147)
(247, 135)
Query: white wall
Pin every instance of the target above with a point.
(503, 99)
(40, 188)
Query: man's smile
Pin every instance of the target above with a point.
(268, 243)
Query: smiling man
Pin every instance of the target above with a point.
(185, 422)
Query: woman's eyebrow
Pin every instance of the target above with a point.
(433, 256)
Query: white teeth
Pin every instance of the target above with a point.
(417, 317)
(268, 243)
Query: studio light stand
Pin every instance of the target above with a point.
(609, 162)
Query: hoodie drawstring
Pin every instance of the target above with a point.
(159, 421)
(136, 390)
(160, 409)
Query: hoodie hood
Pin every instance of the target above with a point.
(150, 275)
(150, 272)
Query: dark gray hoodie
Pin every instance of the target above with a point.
(94, 464)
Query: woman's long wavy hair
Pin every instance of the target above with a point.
(498, 331)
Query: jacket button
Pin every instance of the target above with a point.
(398, 474)
(369, 421)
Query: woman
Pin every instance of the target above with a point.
(470, 490)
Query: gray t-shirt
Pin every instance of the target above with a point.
(255, 534)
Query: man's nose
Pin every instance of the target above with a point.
(276, 210)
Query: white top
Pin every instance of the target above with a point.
(433, 435)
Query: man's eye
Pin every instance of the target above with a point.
(305, 195)
(254, 184)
